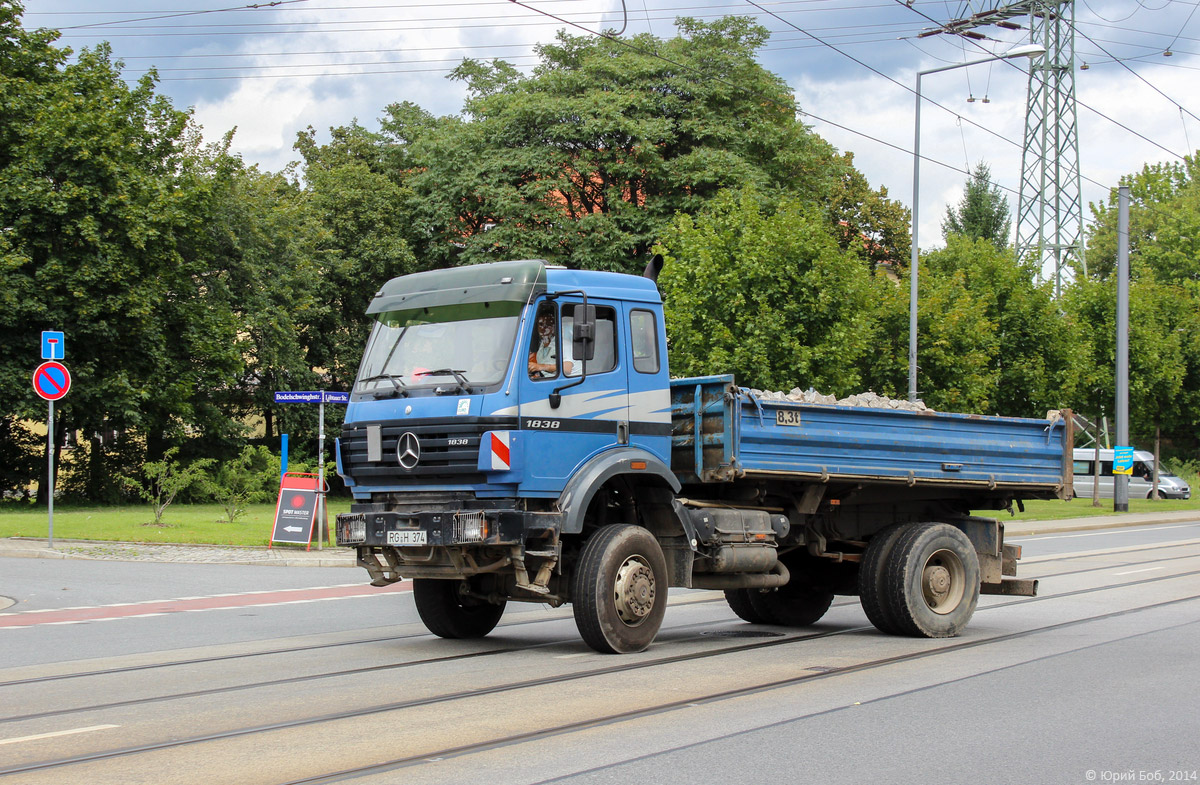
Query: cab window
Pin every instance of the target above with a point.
(605, 358)
(543, 346)
(643, 336)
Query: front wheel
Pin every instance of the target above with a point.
(619, 589)
(449, 612)
(931, 581)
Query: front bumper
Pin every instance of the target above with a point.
(444, 528)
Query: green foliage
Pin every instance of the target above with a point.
(587, 161)
(867, 220)
(19, 452)
(251, 477)
(763, 291)
(1164, 304)
(983, 212)
(1164, 224)
(163, 480)
(1023, 355)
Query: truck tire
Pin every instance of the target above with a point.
(795, 604)
(619, 589)
(448, 613)
(872, 592)
(931, 578)
(740, 603)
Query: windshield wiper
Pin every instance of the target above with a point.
(463, 383)
(397, 384)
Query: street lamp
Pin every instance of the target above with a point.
(1025, 50)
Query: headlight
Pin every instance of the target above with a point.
(351, 528)
(470, 526)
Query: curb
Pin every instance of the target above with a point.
(179, 553)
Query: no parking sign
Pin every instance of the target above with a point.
(51, 380)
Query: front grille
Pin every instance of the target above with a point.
(449, 451)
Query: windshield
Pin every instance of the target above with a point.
(425, 349)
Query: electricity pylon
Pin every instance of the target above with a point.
(1050, 210)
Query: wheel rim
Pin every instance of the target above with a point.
(634, 591)
(943, 581)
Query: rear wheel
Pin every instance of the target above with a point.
(740, 602)
(931, 579)
(872, 592)
(449, 612)
(792, 605)
(619, 589)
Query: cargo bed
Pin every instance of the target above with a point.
(742, 436)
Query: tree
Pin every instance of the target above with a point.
(1164, 343)
(1035, 354)
(588, 160)
(1164, 224)
(1162, 322)
(151, 250)
(982, 214)
(91, 211)
(361, 214)
(761, 289)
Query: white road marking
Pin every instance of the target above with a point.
(1131, 572)
(58, 733)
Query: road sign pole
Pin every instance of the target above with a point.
(50, 469)
(321, 472)
(1121, 481)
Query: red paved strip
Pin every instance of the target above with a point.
(104, 612)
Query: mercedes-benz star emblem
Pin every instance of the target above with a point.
(408, 450)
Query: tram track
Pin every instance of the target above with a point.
(285, 651)
(615, 669)
(668, 706)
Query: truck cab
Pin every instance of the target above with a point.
(482, 429)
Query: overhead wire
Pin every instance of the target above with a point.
(1057, 89)
(1135, 73)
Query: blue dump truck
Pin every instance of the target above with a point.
(514, 435)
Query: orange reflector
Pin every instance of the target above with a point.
(637, 464)
(835, 502)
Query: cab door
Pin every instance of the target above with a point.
(593, 410)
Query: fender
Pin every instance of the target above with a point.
(578, 494)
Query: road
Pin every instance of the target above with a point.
(160, 673)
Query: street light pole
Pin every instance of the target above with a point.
(1027, 50)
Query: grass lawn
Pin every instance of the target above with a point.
(1049, 510)
(183, 523)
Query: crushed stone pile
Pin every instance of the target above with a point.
(866, 399)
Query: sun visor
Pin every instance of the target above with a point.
(499, 284)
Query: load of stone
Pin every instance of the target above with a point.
(867, 399)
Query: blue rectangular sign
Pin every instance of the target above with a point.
(312, 396)
(1122, 460)
(53, 345)
(299, 396)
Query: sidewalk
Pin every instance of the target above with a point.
(333, 556)
(278, 556)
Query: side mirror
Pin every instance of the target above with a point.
(583, 332)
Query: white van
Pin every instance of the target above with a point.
(1141, 482)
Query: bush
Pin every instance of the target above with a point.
(251, 477)
(165, 479)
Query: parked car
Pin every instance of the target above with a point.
(1141, 482)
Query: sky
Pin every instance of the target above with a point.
(271, 70)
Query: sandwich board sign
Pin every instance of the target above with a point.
(296, 510)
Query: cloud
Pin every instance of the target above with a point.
(273, 71)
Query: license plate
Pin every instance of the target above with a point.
(407, 537)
